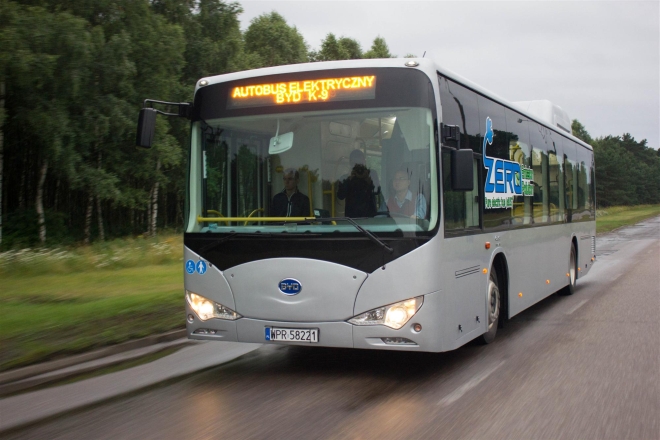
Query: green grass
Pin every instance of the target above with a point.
(116, 254)
(51, 315)
(608, 219)
(58, 302)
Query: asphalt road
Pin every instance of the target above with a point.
(585, 366)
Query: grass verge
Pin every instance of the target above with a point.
(52, 315)
(608, 219)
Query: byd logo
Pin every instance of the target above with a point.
(290, 286)
(505, 178)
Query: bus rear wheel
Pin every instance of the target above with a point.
(494, 305)
(572, 272)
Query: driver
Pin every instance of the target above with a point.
(290, 202)
(403, 201)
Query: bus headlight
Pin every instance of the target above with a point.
(207, 309)
(394, 315)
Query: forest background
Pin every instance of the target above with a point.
(74, 74)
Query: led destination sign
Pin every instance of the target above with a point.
(299, 92)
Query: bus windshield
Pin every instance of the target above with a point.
(308, 171)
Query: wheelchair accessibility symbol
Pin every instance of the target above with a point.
(190, 266)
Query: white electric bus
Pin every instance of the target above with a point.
(458, 211)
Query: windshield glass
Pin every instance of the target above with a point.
(277, 172)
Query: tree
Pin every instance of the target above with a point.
(46, 54)
(351, 47)
(580, 132)
(274, 41)
(333, 49)
(214, 43)
(378, 49)
(627, 171)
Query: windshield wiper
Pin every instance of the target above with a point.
(210, 246)
(368, 234)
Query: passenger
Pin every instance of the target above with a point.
(359, 189)
(290, 202)
(401, 201)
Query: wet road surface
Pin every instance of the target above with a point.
(584, 366)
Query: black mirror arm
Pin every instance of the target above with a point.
(452, 133)
(184, 108)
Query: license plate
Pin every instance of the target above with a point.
(292, 334)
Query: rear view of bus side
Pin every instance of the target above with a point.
(435, 209)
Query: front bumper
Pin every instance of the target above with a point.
(331, 334)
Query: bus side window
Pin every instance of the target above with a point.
(496, 216)
(570, 179)
(460, 108)
(585, 200)
(541, 207)
(520, 152)
(556, 178)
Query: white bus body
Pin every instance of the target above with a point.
(427, 279)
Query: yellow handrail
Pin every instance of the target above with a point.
(252, 213)
(219, 214)
(309, 192)
(332, 195)
(201, 219)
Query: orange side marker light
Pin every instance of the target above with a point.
(520, 294)
(568, 274)
(547, 281)
(485, 270)
(488, 245)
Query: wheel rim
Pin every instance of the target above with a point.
(571, 267)
(493, 303)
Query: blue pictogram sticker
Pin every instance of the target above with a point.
(201, 267)
(267, 333)
(190, 266)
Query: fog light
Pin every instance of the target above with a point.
(191, 318)
(398, 341)
(417, 327)
(204, 331)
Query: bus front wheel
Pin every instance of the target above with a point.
(493, 303)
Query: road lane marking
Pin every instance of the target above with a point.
(580, 304)
(476, 380)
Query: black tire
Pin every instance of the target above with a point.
(572, 272)
(494, 304)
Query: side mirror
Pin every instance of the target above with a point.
(146, 127)
(462, 171)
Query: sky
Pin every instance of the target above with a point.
(598, 60)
